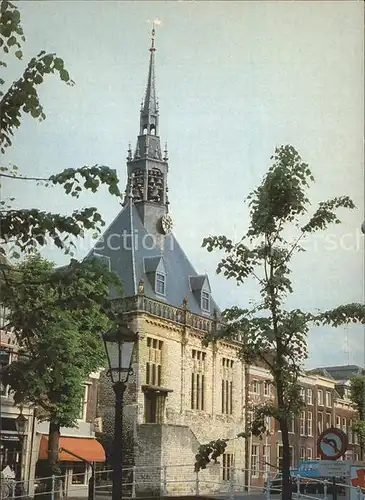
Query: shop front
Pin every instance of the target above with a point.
(75, 473)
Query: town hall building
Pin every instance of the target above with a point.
(182, 394)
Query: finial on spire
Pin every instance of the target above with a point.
(129, 155)
(153, 32)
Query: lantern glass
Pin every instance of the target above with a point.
(119, 346)
(21, 423)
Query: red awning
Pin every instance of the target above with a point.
(88, 448)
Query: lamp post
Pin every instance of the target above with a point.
(119, 346)
(21, 427)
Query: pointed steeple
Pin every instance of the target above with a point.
(148, 164)
(150, 105)
(149, 108)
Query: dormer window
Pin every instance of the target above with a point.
(160, 283)
(205, 301)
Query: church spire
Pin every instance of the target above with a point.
(150, 101)
(149, 109)
(148, 164)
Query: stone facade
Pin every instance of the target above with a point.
(171, 436)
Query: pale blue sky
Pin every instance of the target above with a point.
(234, 80)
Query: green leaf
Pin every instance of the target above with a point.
(64, 75)
(19, 54)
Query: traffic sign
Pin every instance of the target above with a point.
(332, 444)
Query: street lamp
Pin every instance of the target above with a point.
(119, 347)
(21, 427)
(21, 423)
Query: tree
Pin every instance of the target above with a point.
(358, 399)
(28, 229)
(54, 313)
(270, 334)
(57, 316)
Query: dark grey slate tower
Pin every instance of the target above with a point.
(147, 167)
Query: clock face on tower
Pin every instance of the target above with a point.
(166, 224)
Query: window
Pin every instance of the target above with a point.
(255, 460)
(198, 380)
(280, 457)
(227, 386)
(338, 422)
(355, 438)
(349, 432)
(255, 387)
(302, 394)
(83, 404)
(160, 283)
(320, 422)
(309, 453)
(78, 473)
(227, 466)
(291, 425)
(309, 397)
(249, 417)
(344, 425)
(328, 398)
(309, 424)
(154, 363)
(328, 420)
(302, 423)
(267, 389)
(320, 397)
(5, 360)
(302, 453)
(268, 424)
(205, 301)
(266, 455)
(154, 406)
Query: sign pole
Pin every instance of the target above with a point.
(334, 488)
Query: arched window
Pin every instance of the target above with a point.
(145, 130)
(153, 130)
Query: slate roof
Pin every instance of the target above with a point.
(129, 246)
(344, 372)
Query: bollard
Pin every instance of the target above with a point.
(298, 486)
(325, 489)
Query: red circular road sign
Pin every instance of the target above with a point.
(332, 444)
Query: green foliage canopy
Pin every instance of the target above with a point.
(58, 316)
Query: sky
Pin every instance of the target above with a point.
(234, 81)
